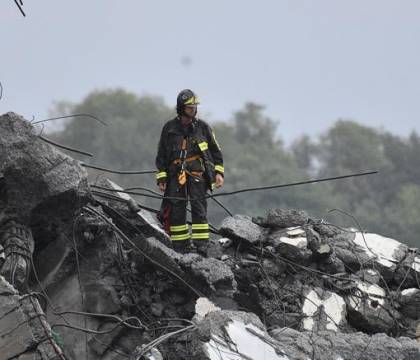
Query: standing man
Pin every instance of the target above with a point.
(189, 162)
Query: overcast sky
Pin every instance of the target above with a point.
(309, 62)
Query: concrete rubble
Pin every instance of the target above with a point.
(89, 273)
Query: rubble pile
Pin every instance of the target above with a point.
(91, 274)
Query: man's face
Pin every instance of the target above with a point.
(190, 110)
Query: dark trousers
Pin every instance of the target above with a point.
(194, 188)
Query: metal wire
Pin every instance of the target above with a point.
(19, 4)
(64, 147)
(222, 206)
(130, 172)
(71, 116)
(213, 229)
(246, 189)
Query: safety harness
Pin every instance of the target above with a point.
(183, 160)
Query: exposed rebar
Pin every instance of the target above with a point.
(19, 4)
(208, 196)
(65, 147)
(134, 172)
(70, 116)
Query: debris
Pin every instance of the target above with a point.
(240, 227)
(283, 218)
(410, 303)
(23, 326)
(323, 310)
(330, 345)
(111, 286)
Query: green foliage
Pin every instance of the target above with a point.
(254, 155)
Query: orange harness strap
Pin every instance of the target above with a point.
(182, 176)
(189, 159)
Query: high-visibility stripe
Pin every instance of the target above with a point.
(214, 138)
(180, 237)
(200, 226)
(203, 146)
(178, 227)
(200, 235)
(161, 175)
(219, 168)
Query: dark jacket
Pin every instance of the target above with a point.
(200, 141)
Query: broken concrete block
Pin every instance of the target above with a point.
(149, 220)
(410, 303)
(411, 330)
(351, 255)
(34, 171)
(283, 218)
(408, 271)
(323, 310)
(384, 251)
(368, 309)
(332, 265)
(158, 253)
(215, 273)
(369, 250)
(23, 327)
(321, 252)
(291, 247)
(237, 335)
(241, 227)
(339, 346)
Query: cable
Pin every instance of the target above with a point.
(245, 189)
(157, 341)
(109, 316)
(130, 172)
(64, 147)
(70, 116)
(156, 193)
(222, 206)
(19, 4)
(212, 229)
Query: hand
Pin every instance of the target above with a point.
(219, 181)
(162, 186)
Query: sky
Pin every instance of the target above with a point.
(308, 62)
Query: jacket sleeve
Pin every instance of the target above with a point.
(161, 160)
(216, 151)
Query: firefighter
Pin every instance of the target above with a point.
(189, 162)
